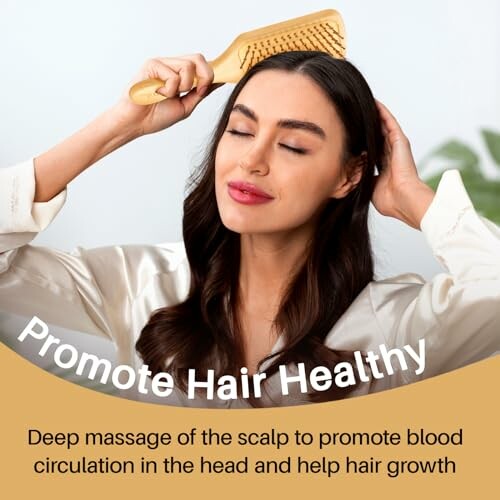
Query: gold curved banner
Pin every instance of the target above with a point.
(437, 438)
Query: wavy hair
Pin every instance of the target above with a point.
(203, 331)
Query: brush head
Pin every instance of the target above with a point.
(322, 31)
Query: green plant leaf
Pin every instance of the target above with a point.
(457, 151)
(492, 140)
(485, 194)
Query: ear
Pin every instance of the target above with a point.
(351, 175)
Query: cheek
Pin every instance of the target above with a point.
(302, 196)
(222, 169)
(304, 193)
(224, 161)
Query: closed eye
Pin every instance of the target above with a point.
(298, 151)
(237, 132)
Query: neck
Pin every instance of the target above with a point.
(267, 264)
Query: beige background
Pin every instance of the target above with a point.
(467, 398)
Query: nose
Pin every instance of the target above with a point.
(254, 162)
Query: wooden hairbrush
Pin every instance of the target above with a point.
(323, 30)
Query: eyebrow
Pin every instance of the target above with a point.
(285, 123)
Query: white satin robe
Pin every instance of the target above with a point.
(111, 291)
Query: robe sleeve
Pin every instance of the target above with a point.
(458, 311)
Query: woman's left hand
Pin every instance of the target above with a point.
(399, 192)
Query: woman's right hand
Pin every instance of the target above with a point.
(179, 74)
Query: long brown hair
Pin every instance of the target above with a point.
(203, 331)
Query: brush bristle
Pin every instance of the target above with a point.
(324, 37)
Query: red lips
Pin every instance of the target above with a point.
(247, 194)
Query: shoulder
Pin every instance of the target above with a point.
(136, 266)
(364, 325)
(153, 258)
(403, 284)
(391, 297)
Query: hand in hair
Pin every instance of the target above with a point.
(399, 192)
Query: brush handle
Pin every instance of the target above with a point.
(225, 71)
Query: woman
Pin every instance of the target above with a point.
(276, 267)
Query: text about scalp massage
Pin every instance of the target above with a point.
(212, 451)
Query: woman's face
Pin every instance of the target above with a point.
(285, 139)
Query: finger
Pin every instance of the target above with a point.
(387, 117)
(186, 70)
(192, 98)
(158, 69)
(204, 72)
(190, 101)
(189, 68)
(385, 132)
(187, 74)
(390, 125)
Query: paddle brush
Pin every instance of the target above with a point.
(323, 31)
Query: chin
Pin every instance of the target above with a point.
(241, 224)
(238, 226)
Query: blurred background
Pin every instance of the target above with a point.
(435, 64)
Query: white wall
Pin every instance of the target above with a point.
(434, 63)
